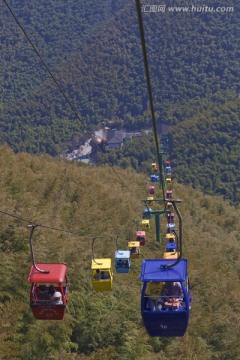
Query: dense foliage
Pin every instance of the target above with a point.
(91, 201)
(93, 49)
(206, 151)
(137, 154)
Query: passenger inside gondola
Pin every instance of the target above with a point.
(122, 263)
(153, 294)
(42, 294)
(134, 250)
(56, 296)
(104, 276)
(171, 296)
(97, 275)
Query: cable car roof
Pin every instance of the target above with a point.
(57, 273)
(151, 270)
(122, 254)
(132, 244)
(140, 233)
(101, 264)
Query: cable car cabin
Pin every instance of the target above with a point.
(171, 251)
(145, 225)
(122, 261)
(169, 206)
(167, 162)
(170, 226)
(49, 291)
(151, 190)
(150, 200)
(154, 167)
(167, 315)
(134, 247)
(170, 237)
(169, 194)
(168, 182)
(168, 169)
(154, 178)
(102, 275)
(170, 247)
(141, 237)
(147, 213)
(170, 217)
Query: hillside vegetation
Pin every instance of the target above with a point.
(93, 49)
(206, 151)
(92, 201)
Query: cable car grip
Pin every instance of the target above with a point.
(33, 227)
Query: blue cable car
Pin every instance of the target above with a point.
(166, 321)
(168, 169)
(171, 246)
(122, 261)
(154, 178)
(170, 226)
(171, 251)
(147, 213)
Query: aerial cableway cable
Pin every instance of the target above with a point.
(34, 223)
(59, 87)
(141, 29)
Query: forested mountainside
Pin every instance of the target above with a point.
(92, 201)
(206, 151)
(94, 51)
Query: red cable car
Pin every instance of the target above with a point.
(141, 237)
(49, 287)
(169, 194)
(151, 190)
(44, 304)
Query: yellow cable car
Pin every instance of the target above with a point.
(134, 247)
(169, 206)
(102, 275)
(154, 167)
(150, 200)
(171, 255)
(145, 225)
(170, 237)
(168, 182)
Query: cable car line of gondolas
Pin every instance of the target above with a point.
(165, 296)
(165, 299)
